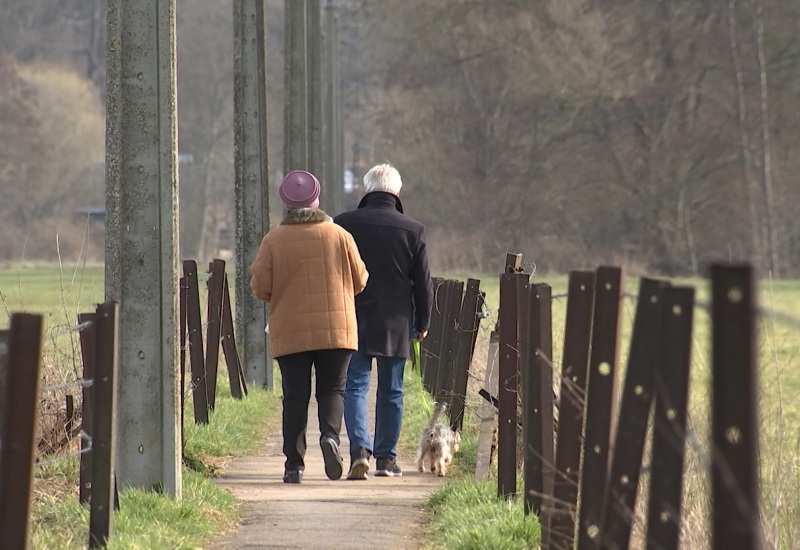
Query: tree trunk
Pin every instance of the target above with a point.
(766, 151)
(747, 161)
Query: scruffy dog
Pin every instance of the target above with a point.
(438, 444)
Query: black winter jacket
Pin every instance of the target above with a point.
(399, 291)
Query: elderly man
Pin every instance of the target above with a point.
(394, 307)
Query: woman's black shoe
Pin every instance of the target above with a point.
(332, 457)
(293, 476)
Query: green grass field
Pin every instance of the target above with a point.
(58, 294)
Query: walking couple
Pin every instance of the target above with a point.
(341, 292)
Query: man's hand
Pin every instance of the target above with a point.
(421, 335)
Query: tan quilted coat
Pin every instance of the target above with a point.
(309, 270)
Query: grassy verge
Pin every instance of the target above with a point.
(417, 407)
(145, 519)
(150, 520)
(464, 514)
(469, 515)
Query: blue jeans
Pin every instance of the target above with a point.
(388, 405)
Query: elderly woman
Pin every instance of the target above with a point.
(309, 270)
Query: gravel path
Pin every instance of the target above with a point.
(379, 513)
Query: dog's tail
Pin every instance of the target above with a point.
(437, 412)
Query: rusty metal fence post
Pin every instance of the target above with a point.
(88, 338)
(445, 379)
(466, 326)
(3, 385)
(600, 405)
(429, 348)
(513, 263)
(101, 519)
(577, 338)
(216, 285)
(637, 398)
(69, 417)
(541, 474)
(182, 299)
(669, 422)
(232, 361)
(531, 397)
(438, 353)
(735, 509)
(195, 333)
(524, 360)
(21, 412)
(507, 387)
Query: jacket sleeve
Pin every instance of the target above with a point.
(261, 272)
(423, 286)
(357, 266)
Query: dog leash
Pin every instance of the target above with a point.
(416, 365)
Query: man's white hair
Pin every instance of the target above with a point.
(383, 177)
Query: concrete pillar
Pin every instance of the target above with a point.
(338, 116)
(141, 238)
(251, 183)
(331, 111)
(295, 145)
(315, 98)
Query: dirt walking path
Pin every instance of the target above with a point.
(379, 513)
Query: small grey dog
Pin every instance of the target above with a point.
(438, 444)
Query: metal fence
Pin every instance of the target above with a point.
(219, 333)
(583, 454)
(20, 389)
(20, 360)
(446, 354)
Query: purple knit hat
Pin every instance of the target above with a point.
(299, 189)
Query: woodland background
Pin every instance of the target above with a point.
(654, 135)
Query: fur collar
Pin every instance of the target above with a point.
(305, 215)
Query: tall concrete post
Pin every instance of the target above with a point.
(316, 161)
(142, 238)
(330, 111)
(295, 144)
(251, 183)
(338, 116)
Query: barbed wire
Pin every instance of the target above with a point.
(764, 313)
(77, 328)
(780, 317)
(80, 383)
(474, 377)
(531, 266)
(436, 297)
(61, 458)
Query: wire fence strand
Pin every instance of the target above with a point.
(80, 383)
(77, 328)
